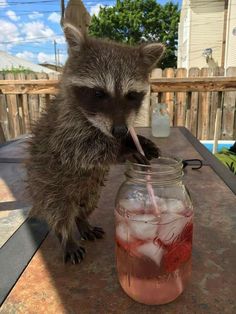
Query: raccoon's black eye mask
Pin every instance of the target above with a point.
(84, 91)
(99, 93)
(135, 96)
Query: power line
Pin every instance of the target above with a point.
(30, 39)
(24, 12)
(30, 2)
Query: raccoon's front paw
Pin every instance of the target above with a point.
(73, 253)
(88, 232)
(149, 148)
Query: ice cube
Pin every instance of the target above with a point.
(171, 227)
(151, 250)
(130, 204)
(173, 205)
(143, 226)
(122, 232)
(167, 205)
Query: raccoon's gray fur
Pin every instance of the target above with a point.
(82, 133)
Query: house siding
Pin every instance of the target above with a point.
(230, 54)
(203, 24)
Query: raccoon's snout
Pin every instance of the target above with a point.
(119, 131)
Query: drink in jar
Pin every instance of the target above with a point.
(153, 252)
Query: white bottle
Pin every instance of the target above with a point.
(160, 121)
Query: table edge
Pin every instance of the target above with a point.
(18, 251)
(218, 167)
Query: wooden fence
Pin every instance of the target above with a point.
(22, 101)
(194, 100)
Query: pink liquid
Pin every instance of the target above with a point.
(151, 278)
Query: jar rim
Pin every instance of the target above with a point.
(165, 170)
(175, 162)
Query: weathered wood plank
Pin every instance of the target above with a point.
(157, 74)
(217, 127)
(13, 114)
(193, 73)
(42, 97)
(33, 101)
(219, 71)
(20, 76)
(155, 97)
(4, 115)
(229, 108)
(188, 111)
(157, 85)
(180, 101)
(31, 86)
(169, 97)
(2, 135)
(35, 82)
(204, 109)
(201, 84)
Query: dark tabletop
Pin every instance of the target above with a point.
(34, 280)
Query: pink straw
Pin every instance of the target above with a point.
(149, 185)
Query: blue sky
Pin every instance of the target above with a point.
(28, 28)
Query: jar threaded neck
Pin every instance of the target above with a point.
(164, 171)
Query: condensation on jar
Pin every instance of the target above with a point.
(154, 226)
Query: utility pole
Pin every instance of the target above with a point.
(58, 57)
(224, 33)
(55, 52)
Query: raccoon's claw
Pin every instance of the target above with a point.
(98, 232)
(150, 149)
(74, 254)
(129, 151)
(92, 234)
(87, 232)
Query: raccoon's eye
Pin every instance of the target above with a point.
(99, 93)
(134, 95)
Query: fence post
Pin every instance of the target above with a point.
(180, 101)
(228, 114)
(13, 113)
(4, 115)
(215, 100)
(33, 102)
(194, 72)
(169, 97)
(217, 129)
(204, 109)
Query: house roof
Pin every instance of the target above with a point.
(8, 61)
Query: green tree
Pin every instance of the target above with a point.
(136, 21)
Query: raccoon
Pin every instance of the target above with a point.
(84, 131)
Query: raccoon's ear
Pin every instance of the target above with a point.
(74, 37)
(152, 53)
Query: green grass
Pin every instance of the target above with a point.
(19, 70)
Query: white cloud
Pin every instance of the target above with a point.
(94, 10)
(38, 32)
(3, 3)
(54, 17)
(60, 39)
(35, 15)
(44, 57)
(12, 15)
(27, 55)
(50, 58)
(9, 35)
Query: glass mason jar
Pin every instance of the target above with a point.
(154, 224)
(160, 120)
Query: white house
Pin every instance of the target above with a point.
(207, 34)
(7, 62)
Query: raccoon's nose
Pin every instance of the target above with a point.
(119, 131)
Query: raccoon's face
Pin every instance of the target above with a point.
(106, 80)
